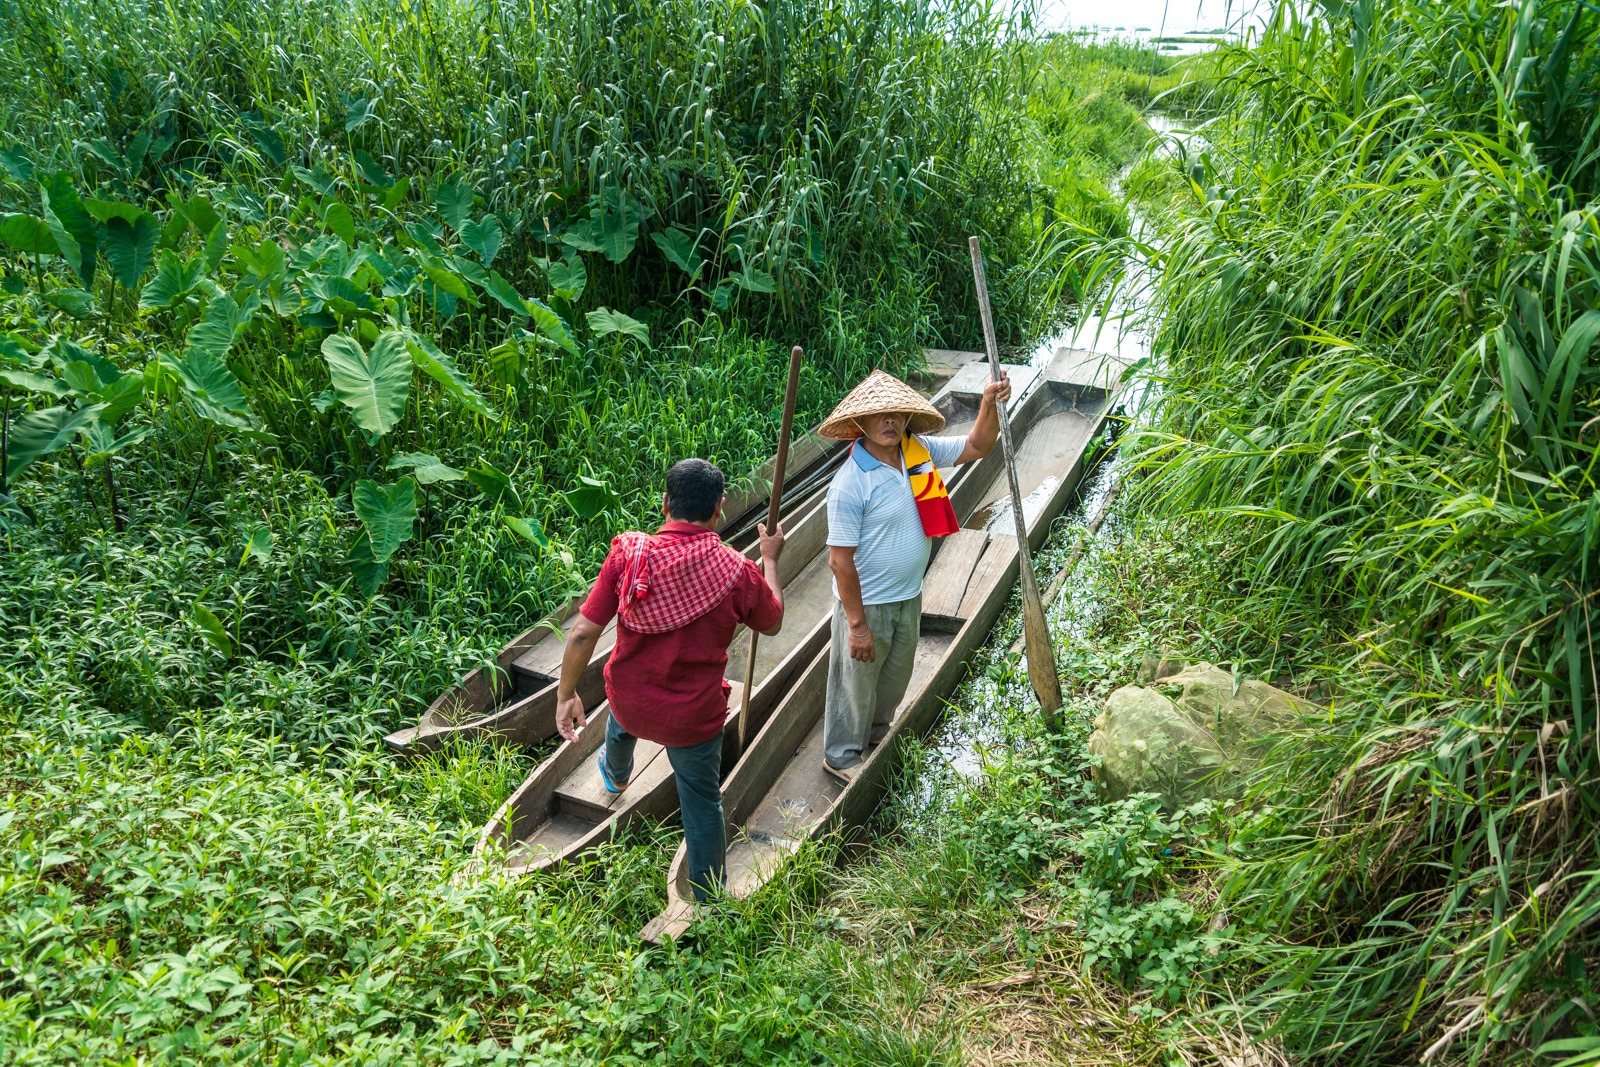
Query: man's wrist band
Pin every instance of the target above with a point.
(867, 634)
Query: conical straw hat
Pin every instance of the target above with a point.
(881, 392)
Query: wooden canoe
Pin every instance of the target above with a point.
(515, 699)
(562, 808)
(778, 796)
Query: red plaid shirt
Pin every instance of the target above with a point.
(668, 686)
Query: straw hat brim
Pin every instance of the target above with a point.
(880, 393)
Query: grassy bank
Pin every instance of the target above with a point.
(307, 411)
(1376, 399)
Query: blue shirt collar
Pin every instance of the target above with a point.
(864, 459)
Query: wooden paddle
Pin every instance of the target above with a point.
(796, 354)
(1041, 656)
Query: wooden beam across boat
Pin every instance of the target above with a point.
(515, 699)
(778, 796)
(561, 809)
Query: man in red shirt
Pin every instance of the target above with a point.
(677, 595)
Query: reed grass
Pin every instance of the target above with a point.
(1376, 287)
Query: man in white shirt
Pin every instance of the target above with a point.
(885, 505)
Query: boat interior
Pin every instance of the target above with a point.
(563, 807)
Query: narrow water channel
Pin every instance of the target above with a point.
(983, 714)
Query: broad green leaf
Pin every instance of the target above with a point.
(426, 468)
(175, 278)
(373, 385)
(551, 325)
(130, 246)
(39, 433)
(605, 321)
(12, 517)
(470, 270)
(579, 235)
(680, 249)
(484, 238)
(454, 200)
(368, 573)
(360, 112)
(506, 294)
(13, 351)
(612, 228)
(36, 383)
(449, 281)
(11, 282)
(198, 210)
(28, 234)
(442, 369)
(81, 377)
(174, 230)
(212, 391)
(338, 219)
(70, 224)
(103, 150)
(495, 486)
(212, 630)
(120, 397)
(106, 210)
(14, 159)
(317, 178)
(100, 441)
(63, 351)
(372, 170)
(258, 546)
(388, 512)
(526, 530)
(138, 147)
(342, 295)
(590, 497)
(507, 361)
(216, 247)
(397, 193)
(219, 327)
(568, 277)
(443, 303)
(266, 260)
(426, 236)
(75, 302)
(756, 281)
(267, 139)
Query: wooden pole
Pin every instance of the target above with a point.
(1041, 656)
(796, 354)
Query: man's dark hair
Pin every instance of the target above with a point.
(694, 487)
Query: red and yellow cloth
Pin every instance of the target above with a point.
(933, 500)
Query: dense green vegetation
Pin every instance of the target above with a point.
(306, 411)
(1377, 287)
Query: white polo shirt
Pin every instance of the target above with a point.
(871, 509)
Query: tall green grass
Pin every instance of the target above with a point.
(845, 148)
(1379, 291)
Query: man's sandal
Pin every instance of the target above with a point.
(843, 774)
(605, 778)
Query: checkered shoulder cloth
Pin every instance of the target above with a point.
(668, 582)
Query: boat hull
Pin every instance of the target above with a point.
(779, 797)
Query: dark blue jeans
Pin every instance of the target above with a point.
(699, 772)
